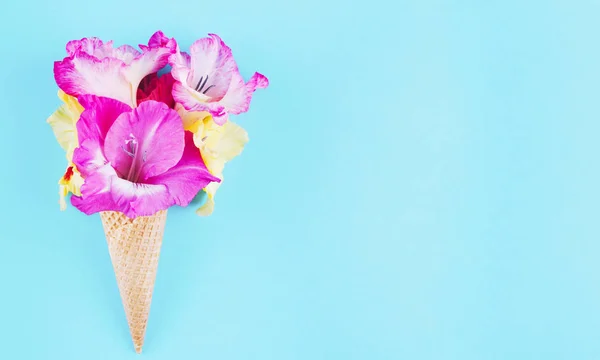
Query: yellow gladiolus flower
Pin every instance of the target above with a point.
(70, 182)
(63, 123)
(218, 144)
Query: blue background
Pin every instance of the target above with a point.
(422, 182)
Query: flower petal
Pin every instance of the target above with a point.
(105, 191)
(153, 58)
(158, 39)
(209, 80)
(88, 157)
(99, 115)
(147, 85)
(212, 66)
(192, 120)
(145, 142)
(227, 141)
(96, 192)
(194, 101)
(63, 122)
(188, 177)
(204, 76)
(180, 65)
(92, 46)
(209, 205)
(94, 67)
(70, 182)
(217, 144)
(83, 74)
(126, 53)
(92, 127)
(157, 89)
(237, 100)
(133, 199)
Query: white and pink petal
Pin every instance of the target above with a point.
(91, 46)
(237, 100)
(212, 67)
(148, 62)
(135, 199)
(85, 74)
(194, 101)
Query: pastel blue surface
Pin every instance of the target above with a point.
(422, 182)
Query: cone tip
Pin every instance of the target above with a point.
(138, 349)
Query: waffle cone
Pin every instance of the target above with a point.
(134, 247)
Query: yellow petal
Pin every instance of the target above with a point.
(209, 205)
(70, 182)
(218, 145)
(192, 120)
(62, 194)
(232, 141)
(206, 209)
(63, 123)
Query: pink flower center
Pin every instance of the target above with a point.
(131, 148)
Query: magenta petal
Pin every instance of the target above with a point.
(99, 115)
(145, 142)
(89, 157)
(188, 177)
(105, 191)
(96, 192)
(158, 39)
(177, 186)
(92, 127)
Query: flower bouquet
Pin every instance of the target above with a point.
(144, 130)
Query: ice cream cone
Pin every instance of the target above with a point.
(134, 247)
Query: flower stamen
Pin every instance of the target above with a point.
(201, 84)
(132, 144)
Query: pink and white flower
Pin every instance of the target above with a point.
(135, 161)
(208, 79)
(97, 68)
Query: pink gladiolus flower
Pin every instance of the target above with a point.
(136, 161)
(96, 68)
(208, 79)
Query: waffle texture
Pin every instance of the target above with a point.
(134, 247)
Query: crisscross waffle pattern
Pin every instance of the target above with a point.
(134, 247)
